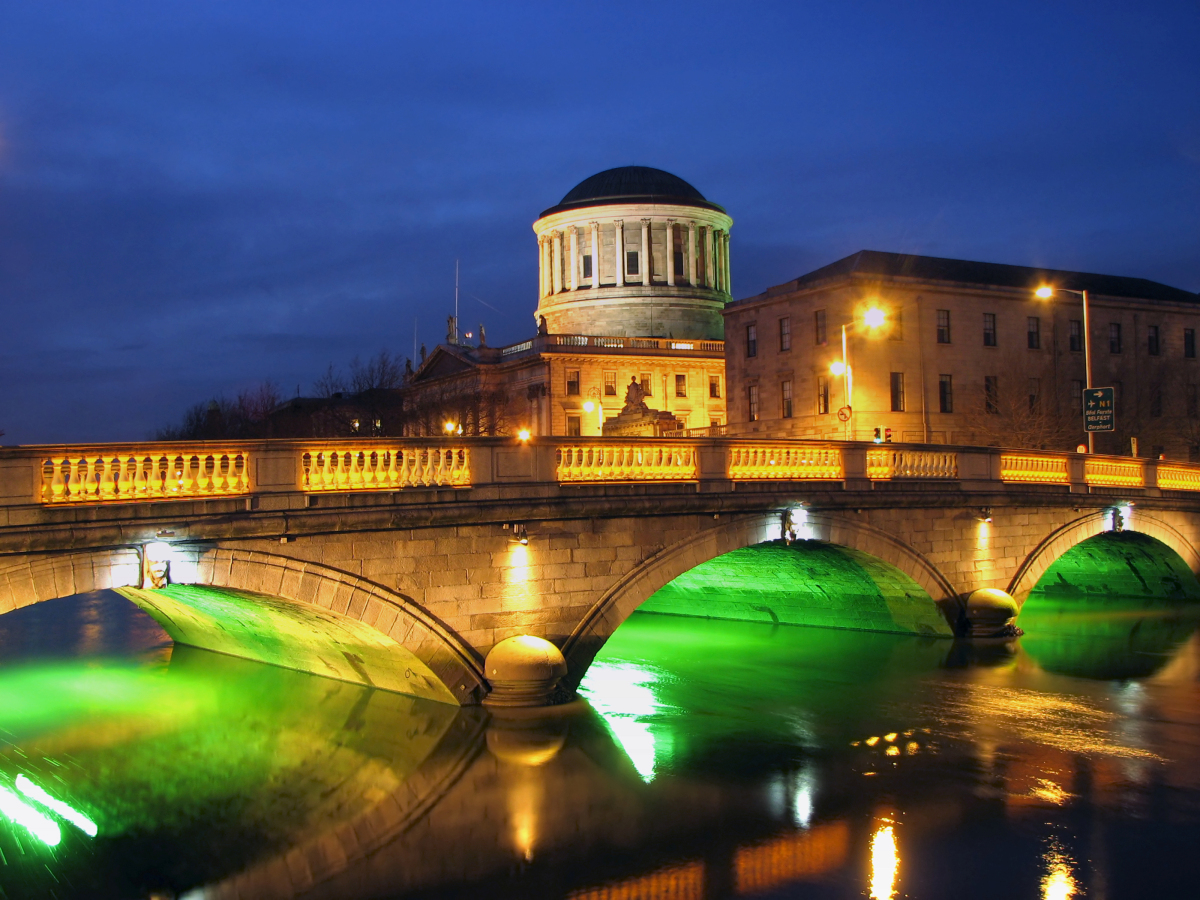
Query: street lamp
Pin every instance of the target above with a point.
(1045, 292)
(596, 405)
(873, 318)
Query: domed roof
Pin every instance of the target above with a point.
(631, 184)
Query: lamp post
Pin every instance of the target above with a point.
(873, 318)
(1047, 293)
(595, 403)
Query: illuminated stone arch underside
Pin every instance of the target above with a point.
(898, 590)
(1071, 535)
(273, 609)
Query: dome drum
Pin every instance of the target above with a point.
(645, 250)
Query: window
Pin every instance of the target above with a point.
(819, 327)
(1189, 343)
(587, 265)
(631, 263)
(714, 385)
(1152, 340)
(1034, 332)
(897, 332)
(897, 392)
(1114, 337)
(572, 382)
(679, 265)
(822, 395)
(785, 333)
(1035, 394)
(573, 426)
(945, 394)
(943, 326)
(1192, 410)
(681, 385)
(647, 384)
(751, 340)
(989, 329)
(610, 384)
(1077, 397)
(991, 394)
(1076, 336)
(752, 396)
(785, 392)
(1156, 402)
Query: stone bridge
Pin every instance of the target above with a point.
(400, 563)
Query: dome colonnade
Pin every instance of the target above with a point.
(628, 239)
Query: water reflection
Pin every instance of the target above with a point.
(1058, 883)
(711, 760)
(885, 862)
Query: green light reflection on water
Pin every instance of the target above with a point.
(21, 813)
(62, 810)
(625, 696)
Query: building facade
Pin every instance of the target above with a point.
(633, 277)
(950, 351)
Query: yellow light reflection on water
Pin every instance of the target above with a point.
(885, 863)
(21, 813)
(1058, 883)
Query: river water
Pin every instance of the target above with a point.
(709, 759)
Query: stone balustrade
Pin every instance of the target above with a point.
(887, 463)
(383, 468)
(1034, 468)
(97, 474)
(73, 475)
(758, 462)
(627, 462)
(572, 342)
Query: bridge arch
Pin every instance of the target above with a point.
(1075, 532)
(34, 578)
(620, 601)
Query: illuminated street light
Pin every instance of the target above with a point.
(837, 367)
(874, 317)
(450, 426)
(589, 406)
(1045, 292)
(523, 434)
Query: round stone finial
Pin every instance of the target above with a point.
(523, 671)
(990, 612)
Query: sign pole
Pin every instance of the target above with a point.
(1087, 361)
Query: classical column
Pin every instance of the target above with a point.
(619, 250)
(595, 226)
(647, 255)
(725, 257)
(708, 258)
(543, 265)
(557, 262)
(574, 280)
(544, 248)
(692, 253)
(670, 245)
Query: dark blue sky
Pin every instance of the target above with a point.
(197, 196)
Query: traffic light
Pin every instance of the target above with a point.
(887, 435)
(879, 435)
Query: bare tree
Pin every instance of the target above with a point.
(1024, 420)
(330, 383)
(380, 372)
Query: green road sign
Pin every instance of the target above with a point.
(1098, 411)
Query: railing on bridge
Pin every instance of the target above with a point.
(641, 462)
(156, 472)
(354, 468)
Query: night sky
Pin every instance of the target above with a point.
(196, 196)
